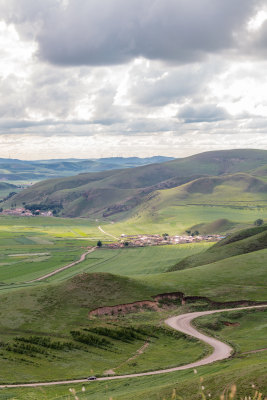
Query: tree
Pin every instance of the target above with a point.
(99, 243)
(188, 232)
(259, 222)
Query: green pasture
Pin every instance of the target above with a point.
(133, 261)
(236, 327)
(176, 219)
(237, 278)
(145, 260)
(247, 371)
(32, 247)
(162, 346)
(53, 310)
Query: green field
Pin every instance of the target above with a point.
(37, 320)
(32, 247)
(244, 370)
(135, 261)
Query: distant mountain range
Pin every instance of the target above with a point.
(217, 177)
(20, 170)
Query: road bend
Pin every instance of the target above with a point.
(181, 323)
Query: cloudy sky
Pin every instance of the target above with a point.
(100, 78)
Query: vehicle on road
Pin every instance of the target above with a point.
(91, 378)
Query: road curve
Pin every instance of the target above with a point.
(82, 258)
(181, 323)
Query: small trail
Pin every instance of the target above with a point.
(181, 323)
(81, 259)
(106, 233)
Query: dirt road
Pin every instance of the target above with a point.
(82, 258)
(106, 233)
(181, 323)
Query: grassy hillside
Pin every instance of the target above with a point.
(122, 193)
(49, 313)
(247, 371)
(37, 321)
(242, 242)
(6, 188)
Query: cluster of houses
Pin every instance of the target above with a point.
(160, 240)
(23, 212)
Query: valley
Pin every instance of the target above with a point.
(55, 276)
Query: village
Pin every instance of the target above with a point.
(23, 212)
(139, 240)
(142, 240)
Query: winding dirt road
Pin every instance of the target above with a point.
(180, 323)
(82, 258)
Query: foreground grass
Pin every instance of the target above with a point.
(154, 348)
(247, 371)
(246, 329)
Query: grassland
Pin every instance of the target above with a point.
(246, 241)
(54, 310)
(243, 369)
(31, 247)
(236, 278)
(51, 310)
(176, 219)
(136, 261)
(236, 328)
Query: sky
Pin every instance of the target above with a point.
(104, 78)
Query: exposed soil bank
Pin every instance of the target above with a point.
(166, 299)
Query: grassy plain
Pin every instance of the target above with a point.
(33, 246)
(140, 260)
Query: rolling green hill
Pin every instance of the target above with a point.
(220, 177)
(242, 242)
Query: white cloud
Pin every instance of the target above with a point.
(173, 79)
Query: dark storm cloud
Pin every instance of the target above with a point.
(202, 113)
(79, 32)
